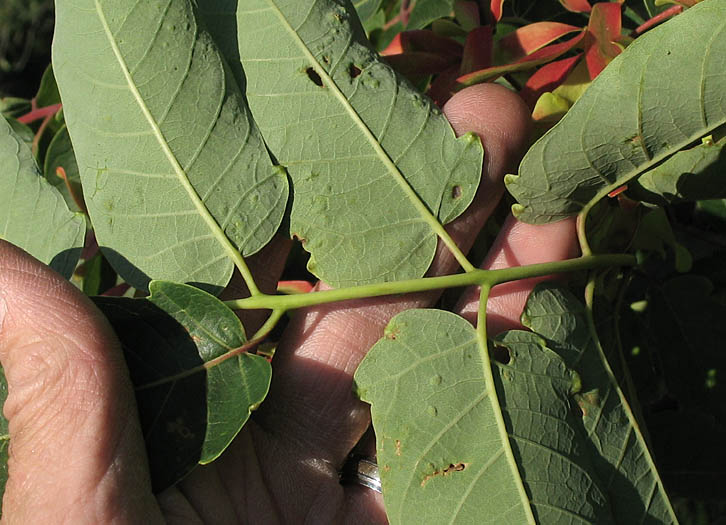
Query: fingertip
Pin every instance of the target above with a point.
(499, 116)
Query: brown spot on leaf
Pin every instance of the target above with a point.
(398, 447)
(314, 77)
(453, 467)
(456, 192)
(354, 71)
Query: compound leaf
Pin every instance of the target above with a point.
(374, 165)
(33, 214)
(459, 445)
(176, 176)
(615, 444)
(635, 114)
(195, 383)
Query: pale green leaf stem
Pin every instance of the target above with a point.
(477, 277)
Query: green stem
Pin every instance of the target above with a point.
(475, 277)
(492, 395)
(633, 16)
(582, 230)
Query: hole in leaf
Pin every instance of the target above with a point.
(313, 75)
(354, 71)
(501, 354)
(456, 192)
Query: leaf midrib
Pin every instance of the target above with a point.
(393, 170)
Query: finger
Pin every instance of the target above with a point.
(518, 244)
(311, 399)
(76, 449)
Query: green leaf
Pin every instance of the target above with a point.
(48, 91)
(366, 8)
(614, 441)
(691, 175)
(14, 107)
(426, 11)
(60, 155)
(456, 448)
(195, 383)
(33, 214)
(635, 114)
(166, 144)
(375, 166)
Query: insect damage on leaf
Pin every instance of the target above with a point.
(458, 467)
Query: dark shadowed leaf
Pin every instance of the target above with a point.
(195, 383)
(615, 444)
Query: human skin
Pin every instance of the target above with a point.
(77, 454)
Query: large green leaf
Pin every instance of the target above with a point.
(195, 383)
(175, 174)
(373, 163)
(33, 214)
(455, 447)
(366, 8)
(663, 93)
(614, 440)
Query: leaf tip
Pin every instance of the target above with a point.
(517, 210)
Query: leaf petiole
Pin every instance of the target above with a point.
(475, 277)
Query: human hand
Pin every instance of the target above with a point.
(77, 453)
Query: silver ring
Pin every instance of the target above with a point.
(361, 470)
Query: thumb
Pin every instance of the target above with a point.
(76, 451)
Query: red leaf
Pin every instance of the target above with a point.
(423, 40)
(39, 113)
(495, 7)
(294, 287)
(443, 86)
(477, 50)
(541, 56)
(416, 64)
(576, 6)
(528, 39)
(547, 78)
(603, 30)
(657, 19)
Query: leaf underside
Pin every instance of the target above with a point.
(628, 121)
(33, 214)
(172, 166)
(195, 386)
(441, 452)
(690, 175)
(354, 137)
(614, 441)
